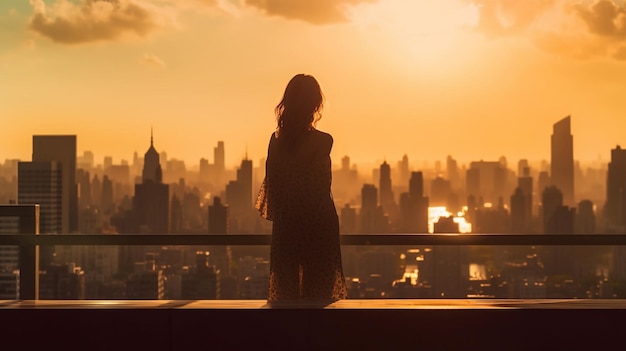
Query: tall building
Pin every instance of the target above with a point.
(62, 149)
(557, 217)
(562, 159)
(487, 180)
(202, 281)
(386, 193)
(41, 183)
(219, 164)
(239, 199)
(151, 202)
(519, 222)
(418, 204)
(369, 206)
(585, 222)
(615, 207)
(218, 224)
(525, 184)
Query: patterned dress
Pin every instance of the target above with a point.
(305, 256)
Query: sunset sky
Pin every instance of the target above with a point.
(471, 79)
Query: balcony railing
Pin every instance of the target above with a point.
(29, 244)
(29, 241)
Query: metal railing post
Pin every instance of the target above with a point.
(29, 254)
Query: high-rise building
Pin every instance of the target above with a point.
(519, 222)
(372, 217)
(557, 217)
(615, 207)
(219, 158)
(151, 202)
(42, 183)
(525, 184)
(219, 224)
(387, 200)
(585, 222)
(61, 149)
(239, 199)
(202, 281)
(487, 180)
(417, 216)
(562, 159)
(348, 219)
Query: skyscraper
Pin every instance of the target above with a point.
(41, 183)
(151, 202)
(239, 199)
(562, 161)
(62, 149)
(386, 193)
(615, 207)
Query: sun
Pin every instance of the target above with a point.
(418, 31)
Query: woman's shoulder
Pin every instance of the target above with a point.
(322, 137)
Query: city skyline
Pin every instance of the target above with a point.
(456, 77)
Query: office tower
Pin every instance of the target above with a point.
(557, 218)
(585, 222)
(562, 159)
(487, 180)
(219, 224)
(452, 170)
(525, 184)
(85, 161)
(219, 164)
(204, 171)
(42, 183)
(239, 199)
(439, 191)
(106, 195)
(615, 206)
(202, 281)
(151, 202)
(450, 264)
(519, 222)
(369, 206)
(403, 170)
(62, 282)
(386, 193)
(348, 219)
(147, 281)
(522, 166)
(9, 258)
(62, 149)
(219, 158)
(418, 204)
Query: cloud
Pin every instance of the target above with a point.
(604, 18)
(498, 17)
(312, 11)
(570, 28)
(153, 60)
(93, 20)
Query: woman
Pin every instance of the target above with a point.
(305, 256)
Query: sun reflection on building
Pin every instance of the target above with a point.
(440, 211)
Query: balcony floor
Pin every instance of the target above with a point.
(429, 324)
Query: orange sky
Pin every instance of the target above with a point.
(471, 79)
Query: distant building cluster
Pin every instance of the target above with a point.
(155, 194)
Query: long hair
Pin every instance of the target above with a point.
(300, 108)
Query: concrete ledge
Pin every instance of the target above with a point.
(345, 325)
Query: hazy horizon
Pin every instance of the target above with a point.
(471, 79)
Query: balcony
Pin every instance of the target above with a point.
(473, 324)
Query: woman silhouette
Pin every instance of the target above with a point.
(305, 256)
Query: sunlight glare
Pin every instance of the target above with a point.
(419, 31)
